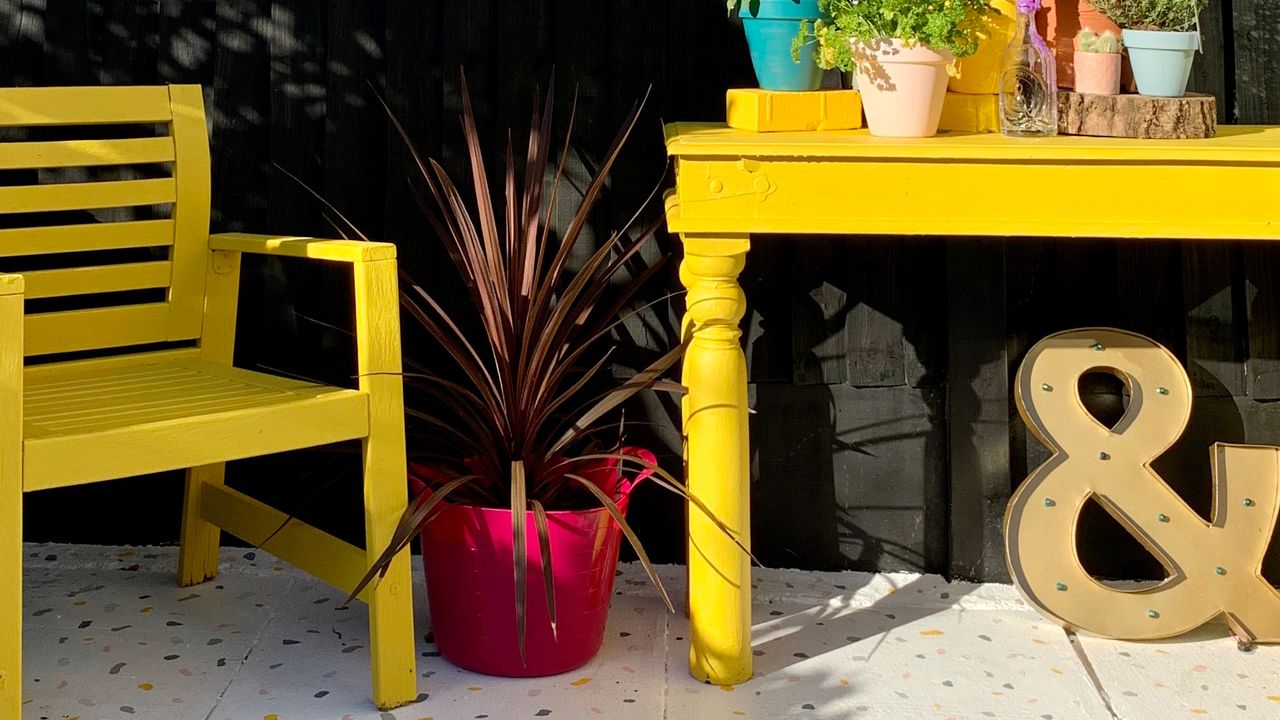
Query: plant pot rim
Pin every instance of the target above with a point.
(781, 10)
(1161, 39)
(897, 50)
(421, 472)
(507, 511)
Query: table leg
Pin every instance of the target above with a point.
(715, 416)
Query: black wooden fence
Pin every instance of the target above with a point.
(880, 367)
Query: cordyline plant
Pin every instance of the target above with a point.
(1169, 15)
(522, 420)
(1105, 43)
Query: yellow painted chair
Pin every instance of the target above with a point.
(115, 413)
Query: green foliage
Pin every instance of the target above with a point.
(1107, 43)
(953, 25)
(1172, 15)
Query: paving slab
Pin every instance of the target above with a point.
(312, 661)
(109, 634)
(1200, 675)
(897, 646)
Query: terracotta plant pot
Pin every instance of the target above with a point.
(902, 87)
(1059, 23)
(467, 554)
(1098, 73)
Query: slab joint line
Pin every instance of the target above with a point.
(1083, 658)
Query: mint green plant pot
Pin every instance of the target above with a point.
(1161, 60)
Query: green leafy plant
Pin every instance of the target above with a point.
(519, 421)
(753, 6)
(1106, 42)
(952, 25)
(1169, 15)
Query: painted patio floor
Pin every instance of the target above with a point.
(108, 635)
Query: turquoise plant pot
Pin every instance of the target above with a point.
(770, 26)
(1161, 60)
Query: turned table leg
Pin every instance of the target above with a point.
(715, 416)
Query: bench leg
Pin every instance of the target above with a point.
(11, 483)
(386, 488)
(198, 554)
(391, 638)
(10, 593)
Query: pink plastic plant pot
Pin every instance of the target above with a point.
(467, 554)
(902, 87)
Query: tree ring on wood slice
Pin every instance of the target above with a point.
(1194, 115)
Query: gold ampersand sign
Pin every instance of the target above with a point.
(1213, 567)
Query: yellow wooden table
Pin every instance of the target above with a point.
(731, 184)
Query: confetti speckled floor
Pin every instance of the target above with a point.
(109, 636)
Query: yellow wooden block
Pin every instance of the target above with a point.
(980, 73)
(970, 113)
(769, 111)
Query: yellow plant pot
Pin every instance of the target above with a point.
(980, 73)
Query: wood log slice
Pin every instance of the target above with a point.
(1194, 115)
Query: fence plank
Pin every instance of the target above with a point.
(1257, 60)
(814, 285)
(124, 37)
(1214, 347)
(924, 320)
(978, 403)
(298, 108)
(66, 44)
(1262, 293)
(414, 95)
(1149, 292)
(186, 43)
(767, 334)
(873, 328)
(22, 53)
(354, 121)
(468, 34)
(1209, 74)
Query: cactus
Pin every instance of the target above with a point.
(1107, 42)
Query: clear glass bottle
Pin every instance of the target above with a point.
(1028, 80)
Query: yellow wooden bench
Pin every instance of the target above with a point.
(113, 410)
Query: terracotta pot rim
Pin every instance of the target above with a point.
(896, 50)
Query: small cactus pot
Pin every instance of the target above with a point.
(1098, 73)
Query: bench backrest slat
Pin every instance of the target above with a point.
(110, 232)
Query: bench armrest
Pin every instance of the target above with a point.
(349, 251)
